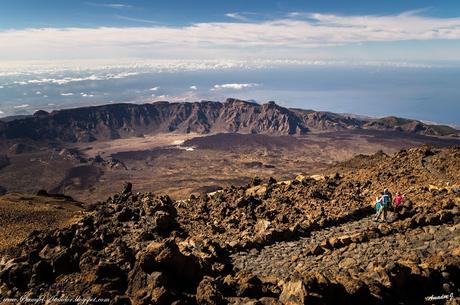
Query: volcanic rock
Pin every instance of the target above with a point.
(310, 241)
(208, 292)
(294, 293)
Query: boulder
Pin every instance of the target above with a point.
(294, 293)
(127, 188)
(139, 280)
(259, 190)
(17, 275)
(127, 214)
(256, 181)
(208, 292)
(345, 240)
(166, 257)
(164, 222)
(111, 276)
(161, 296)
(65, 261)
(301, 178)
(335, 242)
(262, 226)
(42, 272)
(316, 250)
(248, 285)
(318, 177)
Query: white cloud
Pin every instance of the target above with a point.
(290, 36)
(21, 106)
(101, 68)
(154, 88)
(67, 94)
(193, 88)
(66, 80)
(234, 86)
(118, 5)
(110, 5)
(1, 87)
(1, 112)
(236, 16)
(164, 97)
(86, 94)
(137, 19)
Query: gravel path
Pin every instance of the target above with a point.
(284, 259)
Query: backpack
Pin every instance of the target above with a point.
(386, 201)
(378, 205)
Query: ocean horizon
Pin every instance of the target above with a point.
(412, 90)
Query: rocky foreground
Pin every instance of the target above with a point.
(311, 240)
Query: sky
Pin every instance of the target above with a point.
(418, 30)
(374, 58)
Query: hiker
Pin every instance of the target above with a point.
(397, 201)
(378, 206)
(383, 203)
(388, 198)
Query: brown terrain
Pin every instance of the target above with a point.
(91, 172)
(186, 148)
(200, 227)
(22, 214)
(310, 240)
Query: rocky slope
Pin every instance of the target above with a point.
(307, 241)
(128, 120)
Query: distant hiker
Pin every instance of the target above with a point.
(378, 206)
(387, 198)
(382, 205)
(397, 201)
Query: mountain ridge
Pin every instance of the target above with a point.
(112, 121)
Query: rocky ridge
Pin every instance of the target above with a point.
(114, 121)
(308, 240)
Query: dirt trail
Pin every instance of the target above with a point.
(284, 259)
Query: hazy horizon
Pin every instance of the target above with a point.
(411, 90)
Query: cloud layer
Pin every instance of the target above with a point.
(291, 35)
(234, 86)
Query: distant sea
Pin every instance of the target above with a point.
(428, 93)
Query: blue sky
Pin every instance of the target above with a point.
(76, 13)
(417, 30)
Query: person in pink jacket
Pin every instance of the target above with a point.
(397, 201)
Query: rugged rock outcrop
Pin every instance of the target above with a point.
(89, 124)
(410, 126)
